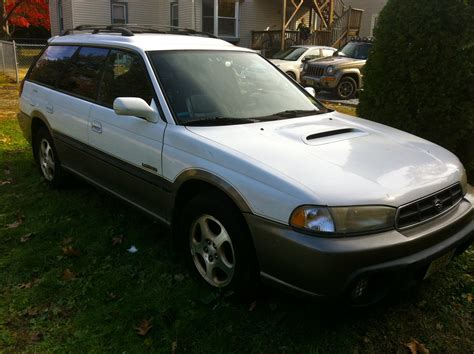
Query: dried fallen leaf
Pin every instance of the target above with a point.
(144, 327)
(174, 346)
(253, 305)
(71, 252)
(24, 285)
(2, 183)
(117, 240)
(469, 297)
(14, 224)
(68, 274)
(416, 347)
(36, 336)
(67, 241)
(26, 238)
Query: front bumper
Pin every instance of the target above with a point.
(320, 82)
(326, 267)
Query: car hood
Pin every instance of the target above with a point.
(337, 61)
(279, 62)
(342, 160)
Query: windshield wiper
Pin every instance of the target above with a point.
(219, 121)
(296, 113)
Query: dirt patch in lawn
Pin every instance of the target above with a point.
(8, 98)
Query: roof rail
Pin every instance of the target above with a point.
(132, 29)
(100, 29)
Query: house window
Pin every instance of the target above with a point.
(60, 16)
(174, 14)
(119, 13)
(221, 17)
(375, 19)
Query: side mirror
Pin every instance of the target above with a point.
(311, 91)
(335, 54)
(134, 106)
(305, 59)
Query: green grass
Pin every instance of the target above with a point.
(114, 290)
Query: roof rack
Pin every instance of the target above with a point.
(130, 30)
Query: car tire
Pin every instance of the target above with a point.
(47, 159)
(217, 245)
(291, 74)
(346, 89)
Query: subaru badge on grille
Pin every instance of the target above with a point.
(438, 204)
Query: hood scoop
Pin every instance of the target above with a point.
(333, 135)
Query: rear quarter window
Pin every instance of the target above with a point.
(52, 64)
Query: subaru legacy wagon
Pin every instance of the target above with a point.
(256, 179)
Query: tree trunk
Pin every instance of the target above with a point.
(3, 21)
(4, 16)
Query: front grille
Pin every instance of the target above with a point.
(429, 207)
(315, 70)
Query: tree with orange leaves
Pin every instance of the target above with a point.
(23, 13)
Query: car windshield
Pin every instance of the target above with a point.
(356, 50)
(228, 87)
(290, 54)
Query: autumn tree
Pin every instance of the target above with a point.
(23, 13)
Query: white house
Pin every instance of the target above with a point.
(230, 19)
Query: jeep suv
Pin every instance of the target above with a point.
(252, 175)
(341, 73)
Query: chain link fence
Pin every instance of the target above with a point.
(8, 60)
(17, 56)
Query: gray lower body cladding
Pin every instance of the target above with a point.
(326, 267)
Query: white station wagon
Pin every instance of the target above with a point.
(256, 179)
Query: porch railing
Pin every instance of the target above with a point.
(346, 25)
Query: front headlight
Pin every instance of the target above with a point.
(312, 218)
(330, 70)
(343, 220)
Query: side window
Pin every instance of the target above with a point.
(327, 52)
(124, 76)
(53, 63)
(313, 54)
(83, 75)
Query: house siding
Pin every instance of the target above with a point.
(67, 16)
(370, 7)
(257, 15)
(96, 12)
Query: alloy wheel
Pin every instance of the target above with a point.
(46, 160)
(212, 251)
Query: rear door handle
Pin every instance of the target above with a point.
(49, 108)
(96, 127)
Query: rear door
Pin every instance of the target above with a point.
(76, 89)
(128, 148)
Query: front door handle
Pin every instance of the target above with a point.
(49, 108)
(96, 127)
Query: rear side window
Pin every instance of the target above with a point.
(82, 76)
(52, 64)
(124, 76)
